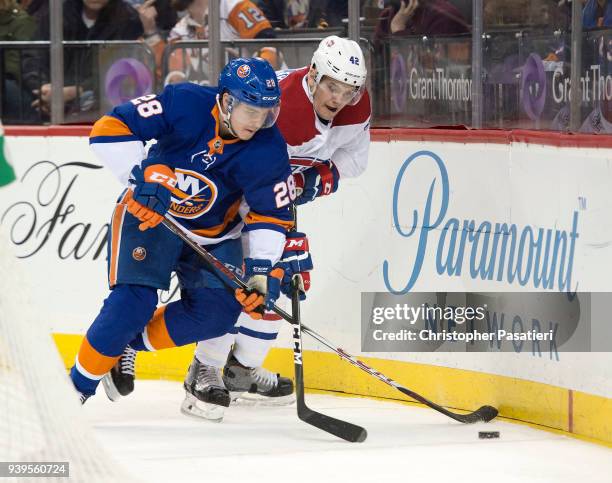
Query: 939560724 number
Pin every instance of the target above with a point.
(55, 469)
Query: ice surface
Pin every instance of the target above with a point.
(406, 443)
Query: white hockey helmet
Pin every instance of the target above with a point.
(342, 60)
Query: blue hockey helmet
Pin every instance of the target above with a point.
(252, 81)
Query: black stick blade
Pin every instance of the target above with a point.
(343, 429)
(487, 413)
(484, 413)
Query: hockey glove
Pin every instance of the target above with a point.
(151, 198)
(320, 180)
(263, 282)
(296, 260)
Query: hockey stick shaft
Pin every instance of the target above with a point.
(484, 413)
(342, 429)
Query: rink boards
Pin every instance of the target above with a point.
(57, 216)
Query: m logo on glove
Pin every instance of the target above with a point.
(296, 260)
(296, 244)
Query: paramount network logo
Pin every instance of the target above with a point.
(481, 249)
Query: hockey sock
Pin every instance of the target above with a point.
(255, 338)
(125, 311)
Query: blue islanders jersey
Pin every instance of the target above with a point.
(213, 174)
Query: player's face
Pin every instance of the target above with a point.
(331, 96)
(247, 120)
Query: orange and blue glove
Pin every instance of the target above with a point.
(151, 198)
(263, 286)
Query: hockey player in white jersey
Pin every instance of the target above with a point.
(324, 118)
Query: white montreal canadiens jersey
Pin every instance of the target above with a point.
(345, 140)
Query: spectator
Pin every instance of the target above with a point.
(82, 20)
(164, 16)
(327, 13)
(425, 17)
(550, 15)
(153, 36)
(15, 25)
(597, 13)
(35, 8)
(239, 19)
(286, 14)
(293, 14)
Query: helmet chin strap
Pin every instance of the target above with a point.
(226, 118)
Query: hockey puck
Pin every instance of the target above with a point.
(488, 434)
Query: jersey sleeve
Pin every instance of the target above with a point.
(118, 138)
(351, 158)
(268, 191)
(248, 19)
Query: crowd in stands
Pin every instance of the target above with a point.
(26, 88)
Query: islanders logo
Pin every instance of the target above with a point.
(139, 254)
(193, 195)
(243, 71)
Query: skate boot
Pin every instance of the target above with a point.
(120, 380)
(205, 394)
(256, 385)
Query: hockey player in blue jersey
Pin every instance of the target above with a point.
(216, 148)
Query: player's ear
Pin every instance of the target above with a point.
(225, 102)
(312, 74)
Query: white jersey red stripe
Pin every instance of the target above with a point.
(345, 140)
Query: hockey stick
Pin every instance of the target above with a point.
(342, 429)
(484, 413)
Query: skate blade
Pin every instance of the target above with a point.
(110, 389)
(254, 399)
(194, 408)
